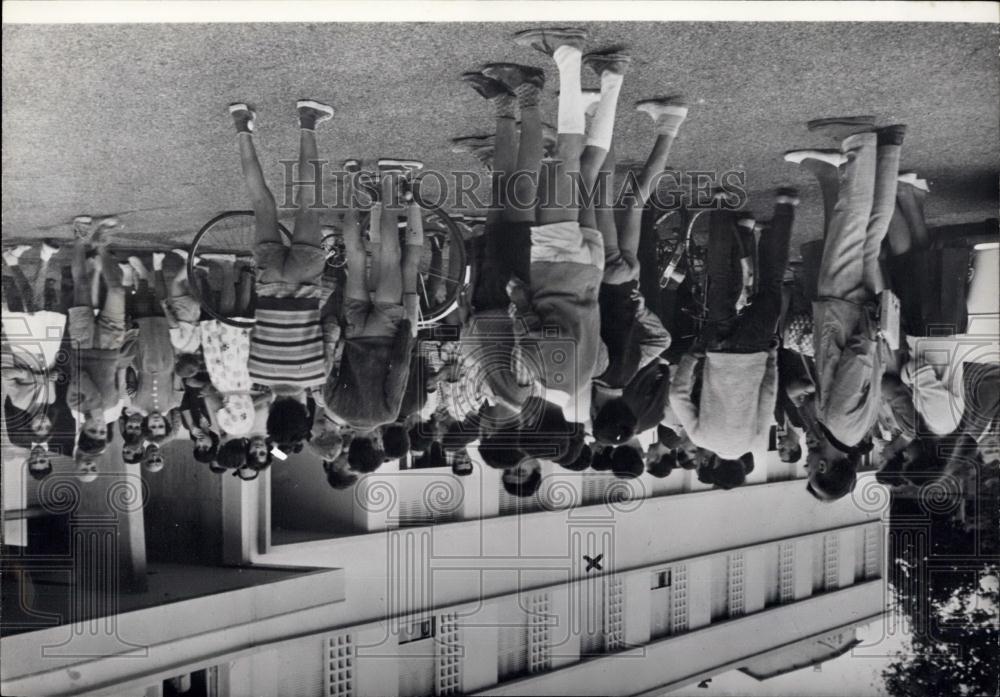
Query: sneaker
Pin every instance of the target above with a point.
(107, 222)
(891, 135)
(913, 180)
(834, 158)
(13, 255)
(607, 62)
(352, 165)
(243, 117)
(49, 249)
(182, 253)
(467, 144)
(389, 165)
(787, 195)
(840, 127)
(485, 87)
(513, 75)
(663, 106)
(312, 113)
(548, 40)
(139, 267)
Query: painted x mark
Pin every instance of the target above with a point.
(593, 563)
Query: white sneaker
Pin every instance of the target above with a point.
(831, 157)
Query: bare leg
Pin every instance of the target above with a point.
(411, 261)
(244, 293)
(529, 157)
(630, 231)
(390, 279)
(356, 286)
(264, 208)
(307, 227)
(603, 215)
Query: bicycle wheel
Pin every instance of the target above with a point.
(230, 237)
(444, 269)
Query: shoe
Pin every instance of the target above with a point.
(891, 135)
(81, 226)
(746, 221)
(834, 158)
(13, 255)
(243, 117)
(913, 180)
(607, 62)
(388, 165)
(352, 165)
(108, 222)
(158, 258)
(513, 75)
(591, 98)
(182, 253)
(467, 144)
(312, 113)
(548, 40)
(128, 275)
(787, 195)
(485, 87)
(663, 106)
(140, 268)
(840, 127)
(49, 249)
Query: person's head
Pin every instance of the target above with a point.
(663, 465)
(626, 462)
(501, 449)
(546, 433)
(93, 438)
(729, 474)
(41, 425)
(39, 462)
(601, 460)
(685, 458)
(259, 454)
(832, 472)
(364, 455)
(131, 426)
(421, 436)
(157, 427)
(152, 458)
(462, 465)
(86, 467)
(582, 460)
(615, 422)
(395, 441)
(133, 452)
(459, 434)
(188, 365)
(338, 475)
(288, 422)
(327, 445)
(789, 449)
(233, 453)
(523, 479)
(206, 447)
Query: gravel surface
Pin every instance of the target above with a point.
(131, 119)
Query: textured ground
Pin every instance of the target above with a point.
(130, 120)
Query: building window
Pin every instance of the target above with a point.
(417, 630)
(661, 579)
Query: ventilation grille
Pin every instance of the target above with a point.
(339, 666)
(831, 561)
(678, 600)
(786, 572)
(539, 647)
(449, 660)
(736, 590)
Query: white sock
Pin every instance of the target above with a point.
(375, 224)
(414, 226)
(602, 126)
(158, 261)
(571, 119)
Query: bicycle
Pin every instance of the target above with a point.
(444, 270)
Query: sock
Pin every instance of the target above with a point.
(505, 106)
(527, 95)
(158, 261)
(571, 119)
(602, 126)
(670, 120)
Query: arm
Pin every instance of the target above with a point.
(768, 394)
(681, 403)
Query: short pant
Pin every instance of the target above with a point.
(300, 263)
(100, 332)
(567, 242)
(366, 318)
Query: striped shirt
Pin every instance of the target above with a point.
(286, 344)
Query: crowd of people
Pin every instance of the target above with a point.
(562, 352)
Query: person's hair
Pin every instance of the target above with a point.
(339, 479)
(526, 488)
(395, 441)
(459, 434)
(601, 460)
(582, 460)
(188, 365)
(462, 467)
(233, 453)
(793, 456)
(501, 450)
(664, 466)
(127, 439)
(615, 422)
(91, 446)
(209, 454)
(667, 436)
(626, 462)
(685, 461)
(131, 453)
(39, 473)
(288, 422)
(573, 449)
(726, 474)
(550, 436)
(420, 437)
(168, 420)
(363, 456)
(837, 481)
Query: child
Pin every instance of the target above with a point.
(93, 394)
(367, 388)
(286, 345)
